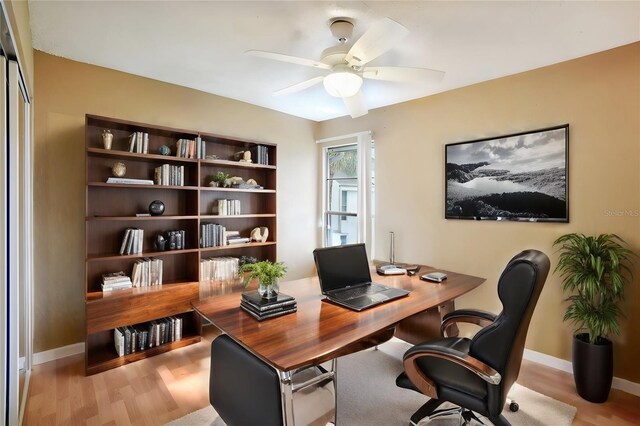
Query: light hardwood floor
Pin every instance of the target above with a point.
(168, 386)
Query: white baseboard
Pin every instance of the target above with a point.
(57, 353)
(564, 365)
(548, 360)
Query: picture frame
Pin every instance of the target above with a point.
(518, 177)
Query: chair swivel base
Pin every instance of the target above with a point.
(429, 412)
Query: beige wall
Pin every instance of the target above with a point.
(66, 91)
(599, 96)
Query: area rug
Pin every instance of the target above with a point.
(368, 396)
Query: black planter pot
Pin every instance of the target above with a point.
(592, 367)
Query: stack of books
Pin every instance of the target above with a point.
(115, 281)
(260, 308)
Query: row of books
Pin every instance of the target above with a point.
(212, 235)
(189, 148)
(132, 241)
(130, 339)
(219, 269)
(147, 272)
(260, 154)
(259, 308)
(176, 240)
(139, 142)
(228, 207)
(168, 174)
(115, 281)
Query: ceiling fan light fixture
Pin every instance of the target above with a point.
(342, 84)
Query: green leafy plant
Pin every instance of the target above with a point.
(594, 270)
(266, 272)
(220, 177)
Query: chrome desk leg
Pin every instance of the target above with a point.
(286, 391)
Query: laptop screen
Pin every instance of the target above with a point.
(342, 266)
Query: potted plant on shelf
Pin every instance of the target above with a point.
(594, 271)
(218, 179)
(268, 274)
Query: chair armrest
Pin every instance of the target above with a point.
(471, 316)
(482, 370)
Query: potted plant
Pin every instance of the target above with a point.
(218, 179)
(268, 273)
(594, 271)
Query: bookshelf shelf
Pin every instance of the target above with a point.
(104, 360)
(155, 158)
(238, 164)
(129, 218)
(238, 246)
(257, 191)
(113, 256)
(111, 209)
(236, 216)
(136, 186)
(126, 293)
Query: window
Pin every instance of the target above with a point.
(347, 191)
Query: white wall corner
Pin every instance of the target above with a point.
(57, 353)
(564, 365)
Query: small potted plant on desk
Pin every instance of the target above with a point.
(593, 271)
(268, 274)
(218, 179)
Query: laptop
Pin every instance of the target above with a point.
(345, 278)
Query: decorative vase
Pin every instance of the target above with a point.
(118, 169)
(268, 291)
(107, 138)
(164, 150)
(159, 242)
(156, 208)
(592, 367)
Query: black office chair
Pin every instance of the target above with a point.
(476, 374)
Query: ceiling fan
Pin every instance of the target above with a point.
(346, 65)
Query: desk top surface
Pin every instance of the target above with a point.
(319, 330)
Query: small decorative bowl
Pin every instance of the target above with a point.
(164, 150)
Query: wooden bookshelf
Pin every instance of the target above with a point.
(112, 208)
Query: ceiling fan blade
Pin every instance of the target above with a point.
(403, 74)
(299, 86)
(356, 105)
(379, 38)
(286, 58)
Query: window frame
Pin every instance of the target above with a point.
(364, 214)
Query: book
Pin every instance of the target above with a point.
(130, 181)
(254, 298)
(276, 305)
(108, 288)
(270, 315)
(265, 310)
(238, 240)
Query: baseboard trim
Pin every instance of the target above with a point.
(564, 365)
(57, 353)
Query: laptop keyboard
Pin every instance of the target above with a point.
(352, 293)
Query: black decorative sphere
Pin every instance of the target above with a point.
(156, 208)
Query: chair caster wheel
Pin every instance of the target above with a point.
(514, 407)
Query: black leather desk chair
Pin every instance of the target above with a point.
(477, 373)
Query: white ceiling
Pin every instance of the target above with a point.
(201, 44)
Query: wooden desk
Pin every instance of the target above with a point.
(320, 331)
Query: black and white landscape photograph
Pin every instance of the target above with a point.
(518, 177)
